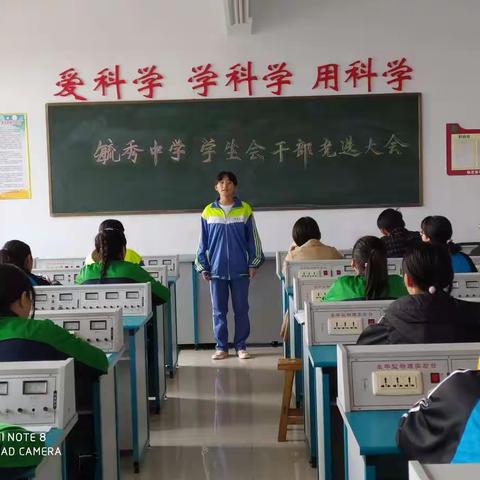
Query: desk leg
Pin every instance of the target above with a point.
(171, 332)
(97, 425)
(327, 425)
(196, 340)
(64, 462)
(298, 353)
(117, 432)
(139, 395)
(286, 344)
(153, 364)
(345, 452)
(313, 407)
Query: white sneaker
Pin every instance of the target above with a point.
(219, 355)
(243, 355)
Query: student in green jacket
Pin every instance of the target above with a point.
(23, 339)
(371, 280)
(19, 454)
(112, 268)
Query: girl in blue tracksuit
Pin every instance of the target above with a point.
(228, 255)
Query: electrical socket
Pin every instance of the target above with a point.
(317, 294)
(397, 382)
(344, 326)
(307, 274)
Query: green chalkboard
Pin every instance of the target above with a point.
(296, 152)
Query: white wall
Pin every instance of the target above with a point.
(41, 38)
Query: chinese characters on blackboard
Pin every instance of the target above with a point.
(209, 149)
(240, 77)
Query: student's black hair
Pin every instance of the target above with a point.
(230, 175)
(110, 245)
(429, 265)
(439, 230)
(16, 253)
(370, 257)
(305, 229)
(13, 282)
(390, 219)
(111, 224)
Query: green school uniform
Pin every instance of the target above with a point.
(120, 271)
(47, 333)
(22, 452)
(352, 287)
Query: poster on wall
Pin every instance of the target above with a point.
(14, 158)
(463, 150)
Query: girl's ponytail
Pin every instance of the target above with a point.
(370, 258)
(110, 245)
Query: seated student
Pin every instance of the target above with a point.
(397, 238)
(18, 253)
(372, 281)
(25, 455)
(307, 245)
(445, 426)
(429, 314)
(111, 268)
(23, 339)
(438, 230)
(111, 224)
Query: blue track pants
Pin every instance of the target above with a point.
(219, 291)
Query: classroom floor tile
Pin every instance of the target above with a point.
(220, 422)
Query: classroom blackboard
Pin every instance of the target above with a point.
(296, 152)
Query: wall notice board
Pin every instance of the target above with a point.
(296, 152)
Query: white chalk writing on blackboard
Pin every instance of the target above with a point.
(281, 149)
(394, 144)
(177, 149)
(155, 151)
(327, 148)
(208, 149)
(107, 152)
(348, 147)
(304, 150)
(255, 151)
(232, 150)
(131, 151)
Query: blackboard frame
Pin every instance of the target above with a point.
(418, 95)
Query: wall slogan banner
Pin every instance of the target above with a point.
(14, 158)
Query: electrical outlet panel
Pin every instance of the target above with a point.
(466, 285)
(393, 377)
(37, 395)
(317, 294)
(328, 268)
(344, 326)
(132, 298)
(329, 323)
(62, 276)
(310, 290)
(309, 274)
(397, 382)
(67, 276)
(169, 261)
(58, 263)
(102, 329)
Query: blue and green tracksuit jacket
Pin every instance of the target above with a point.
(229, 244)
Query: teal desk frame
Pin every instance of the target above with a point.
(171, 333)
(132, 324)
(113, 359)
(322, 364)
(375, 433)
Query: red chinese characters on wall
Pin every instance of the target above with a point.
(363, 74)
